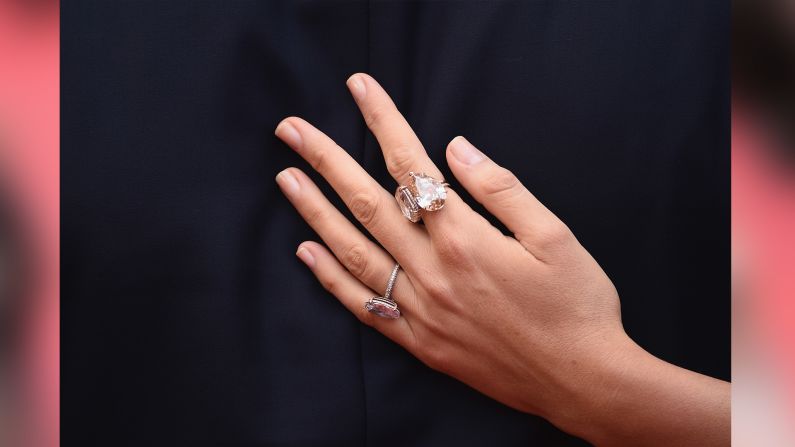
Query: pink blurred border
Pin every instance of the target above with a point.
(29, 163)
(763, 233)
(763, 205)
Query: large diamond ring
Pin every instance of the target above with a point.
(385, 306)
(423, 193)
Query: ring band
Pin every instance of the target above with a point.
(391, 283)
(385, 306)
(423, 193)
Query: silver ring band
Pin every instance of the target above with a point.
(391, 283)
(385, 306)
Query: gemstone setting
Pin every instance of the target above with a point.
(382, 307)
(408, 205)
(423, 193)
(429, 192)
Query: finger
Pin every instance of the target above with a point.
(351, 292)
(375, 208)
(368, 262)
(403, 151)
(537, 228)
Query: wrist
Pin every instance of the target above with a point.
(597, 387)
(626, 396)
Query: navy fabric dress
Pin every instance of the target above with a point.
(187, 318)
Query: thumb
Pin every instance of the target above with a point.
(504, 196)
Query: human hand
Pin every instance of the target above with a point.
(529, 319)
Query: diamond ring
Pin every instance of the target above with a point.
(385, 306)
(423, 193)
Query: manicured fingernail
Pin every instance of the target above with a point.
(465, 152)
(288, 134)
(287, 181)
(305, 256)
(356, 86)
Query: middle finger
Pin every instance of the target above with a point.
(370, 204)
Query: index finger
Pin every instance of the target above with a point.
(370, 204)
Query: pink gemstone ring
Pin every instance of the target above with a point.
(385, 306)
(423, 193)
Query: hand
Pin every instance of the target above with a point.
(529, 319)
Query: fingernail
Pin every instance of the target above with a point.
(465, 152)
(287, 182)
(305, 256)
(356, 86)
(288, 134)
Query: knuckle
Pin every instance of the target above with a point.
(553, 234)
(364, 206)
(500, 181)
(453, 249)
(436, 356)
(375, 115)
(399, 161)
(319, 161)
(437, 290)
(355, 259)
(316, 215)
(331, 285)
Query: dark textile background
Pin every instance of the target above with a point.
(187, 320)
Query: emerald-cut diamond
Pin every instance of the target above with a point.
(408, 205)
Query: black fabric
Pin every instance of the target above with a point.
(187, 320)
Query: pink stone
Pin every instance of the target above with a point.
(383, 308)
